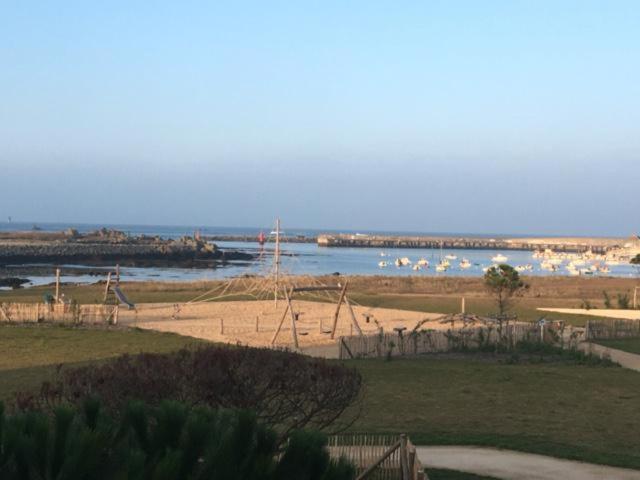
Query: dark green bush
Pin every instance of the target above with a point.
(167, 442)
(287, 391)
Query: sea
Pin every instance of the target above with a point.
(301, 258)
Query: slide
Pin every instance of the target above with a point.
(122, 298)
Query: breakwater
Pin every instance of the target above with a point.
(596, 245)
(254, 238)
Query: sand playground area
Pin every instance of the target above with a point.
(254, 323)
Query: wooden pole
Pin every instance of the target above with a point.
(284, 315)
(462, 307)
(117, 275)
(335, 316)
(635, 298)
(221, 326)
(115, 314)
(57, 285)
(354, 320)
(257, 320)
(294, 331)
(106, 288)
(276, 260)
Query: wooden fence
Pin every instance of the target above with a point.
(378, 457)
(611, 328)
(440, 341)
(55, 313)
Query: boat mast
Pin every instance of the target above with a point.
(276, 262)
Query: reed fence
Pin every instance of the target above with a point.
(441, 341)
(378, 457)
(55, 313)
(607, 328)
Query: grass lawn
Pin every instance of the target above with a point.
(30, 354)
(560, 409)
(440, 474)
(571, 411)
(631, 345)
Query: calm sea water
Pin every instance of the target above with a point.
(301, 258)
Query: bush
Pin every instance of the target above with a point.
(623, 301)
(287, 391)
(171, 441)
(607, 299)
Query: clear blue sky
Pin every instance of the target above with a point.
(474, 116)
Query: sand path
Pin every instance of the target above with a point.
(597, 312)
(507, 464)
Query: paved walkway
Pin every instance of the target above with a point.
(625, 359)
(507, 464)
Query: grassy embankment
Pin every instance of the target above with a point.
(561, 409)
(428, 294)
(631, 345)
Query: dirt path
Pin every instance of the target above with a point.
(507, 464)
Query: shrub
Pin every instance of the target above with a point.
(171, 441)
(287, 391)
(607, 299)
(623, 301)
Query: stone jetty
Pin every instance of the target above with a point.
(573, 244)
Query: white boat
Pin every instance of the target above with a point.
(604, 269)
(499, 258)
(451, 257)
(423, 262)
(464, 264)
(441, 267)
(405, 261)
(445, 263)
(398, 262)
(382, 254)
(416, 267)
(383, 264)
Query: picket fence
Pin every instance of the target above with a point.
(439, 341)
(378, 457)
(606, 328)
(54, 313)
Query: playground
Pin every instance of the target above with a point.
(255, 322)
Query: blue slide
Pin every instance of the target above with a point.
(122, 298)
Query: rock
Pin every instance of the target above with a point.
(13, 282)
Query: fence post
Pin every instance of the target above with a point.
(404, 463)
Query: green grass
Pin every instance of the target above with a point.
(441, 474)
(631, 345)
(571, 411)
(589, 413)
(30, 354)
(525, 308)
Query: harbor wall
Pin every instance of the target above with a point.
(470, 243)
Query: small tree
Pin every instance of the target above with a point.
(503, 282)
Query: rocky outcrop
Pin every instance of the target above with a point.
(110, 246)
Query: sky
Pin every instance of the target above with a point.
(436, 116)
